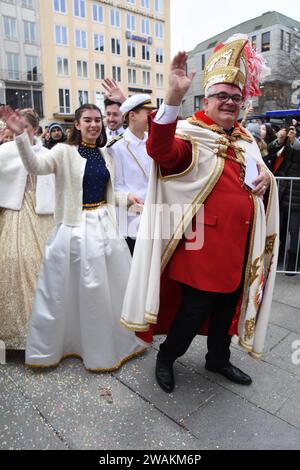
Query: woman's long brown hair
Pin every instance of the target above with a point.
(75, 135)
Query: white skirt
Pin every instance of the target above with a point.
(79, 296)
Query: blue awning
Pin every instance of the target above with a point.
(283, 113)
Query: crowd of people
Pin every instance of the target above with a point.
(76, 282)
(280, 150)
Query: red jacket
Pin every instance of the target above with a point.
(228, 214)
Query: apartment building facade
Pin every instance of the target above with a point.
(277, 38)
(21, 81)
(84, 41)
(56, 52)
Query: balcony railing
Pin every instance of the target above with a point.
(18, 76)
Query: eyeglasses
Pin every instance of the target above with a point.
(224, 97)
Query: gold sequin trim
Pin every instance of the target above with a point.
(237, 133)
(93, 206)
(249, 328)
(111, 369)
(89, 146)
(270, 241)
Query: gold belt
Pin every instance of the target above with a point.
(93, 206)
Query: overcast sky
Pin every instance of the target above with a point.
(193, 21)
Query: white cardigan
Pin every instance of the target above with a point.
(68, 166)
(13, 178)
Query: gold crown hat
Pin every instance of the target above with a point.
(235, 62)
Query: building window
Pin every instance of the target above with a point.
(98, 13)
(197, 102)
(286, 41)
(31, 67)
(145, 52)
(116, 73)
(83, 97)
(145, 26)
(79, 8)
(115, 46)
(13, 66)
(254, 42)
(281, 39)
(61, 35)
(28, 4)
(98, 42)
(202, 61)
(64, 101)
(30, 31)
(265, 42)
(130, 22)
(82, 69)
(159, 56)
(131, 50)
(131, 76)
(10, 27)
(80, 39)
(60, 6)
(62, 65)
(159, 6)
(145, 4)
(99, 101)
(159, 80)
(146, 78)
(115, 18)
(20, 98)
(99, 71)
(159, 30)
(159, 101)
(131, 1)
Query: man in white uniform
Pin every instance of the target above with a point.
(114, 119)
(132, 163)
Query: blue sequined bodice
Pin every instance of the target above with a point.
(96, 175)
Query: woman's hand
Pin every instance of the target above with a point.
(113, 91)
(12, 119)
(132, 199)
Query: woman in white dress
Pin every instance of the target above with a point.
(26, 219)
(80, 290)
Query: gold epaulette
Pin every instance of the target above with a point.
(114, 140)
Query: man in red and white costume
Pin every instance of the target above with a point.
(225, 287)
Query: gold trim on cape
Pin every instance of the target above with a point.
(75, 355)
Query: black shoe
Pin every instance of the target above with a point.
(165, 375)
(232, 373)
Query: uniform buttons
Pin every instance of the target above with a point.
(247, 222)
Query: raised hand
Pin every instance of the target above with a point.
(12, 119)
(179, 80)
(113, 91)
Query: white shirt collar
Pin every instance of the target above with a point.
(115, 133)
(133, 138)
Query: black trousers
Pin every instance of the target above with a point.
(131, 244)
(195, 309)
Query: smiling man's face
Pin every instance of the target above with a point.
(222, 113)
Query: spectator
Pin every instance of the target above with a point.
(114, 119)
(7, 136)
(289, 195)
(295, 123)
(56, 135)
(255, 130)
